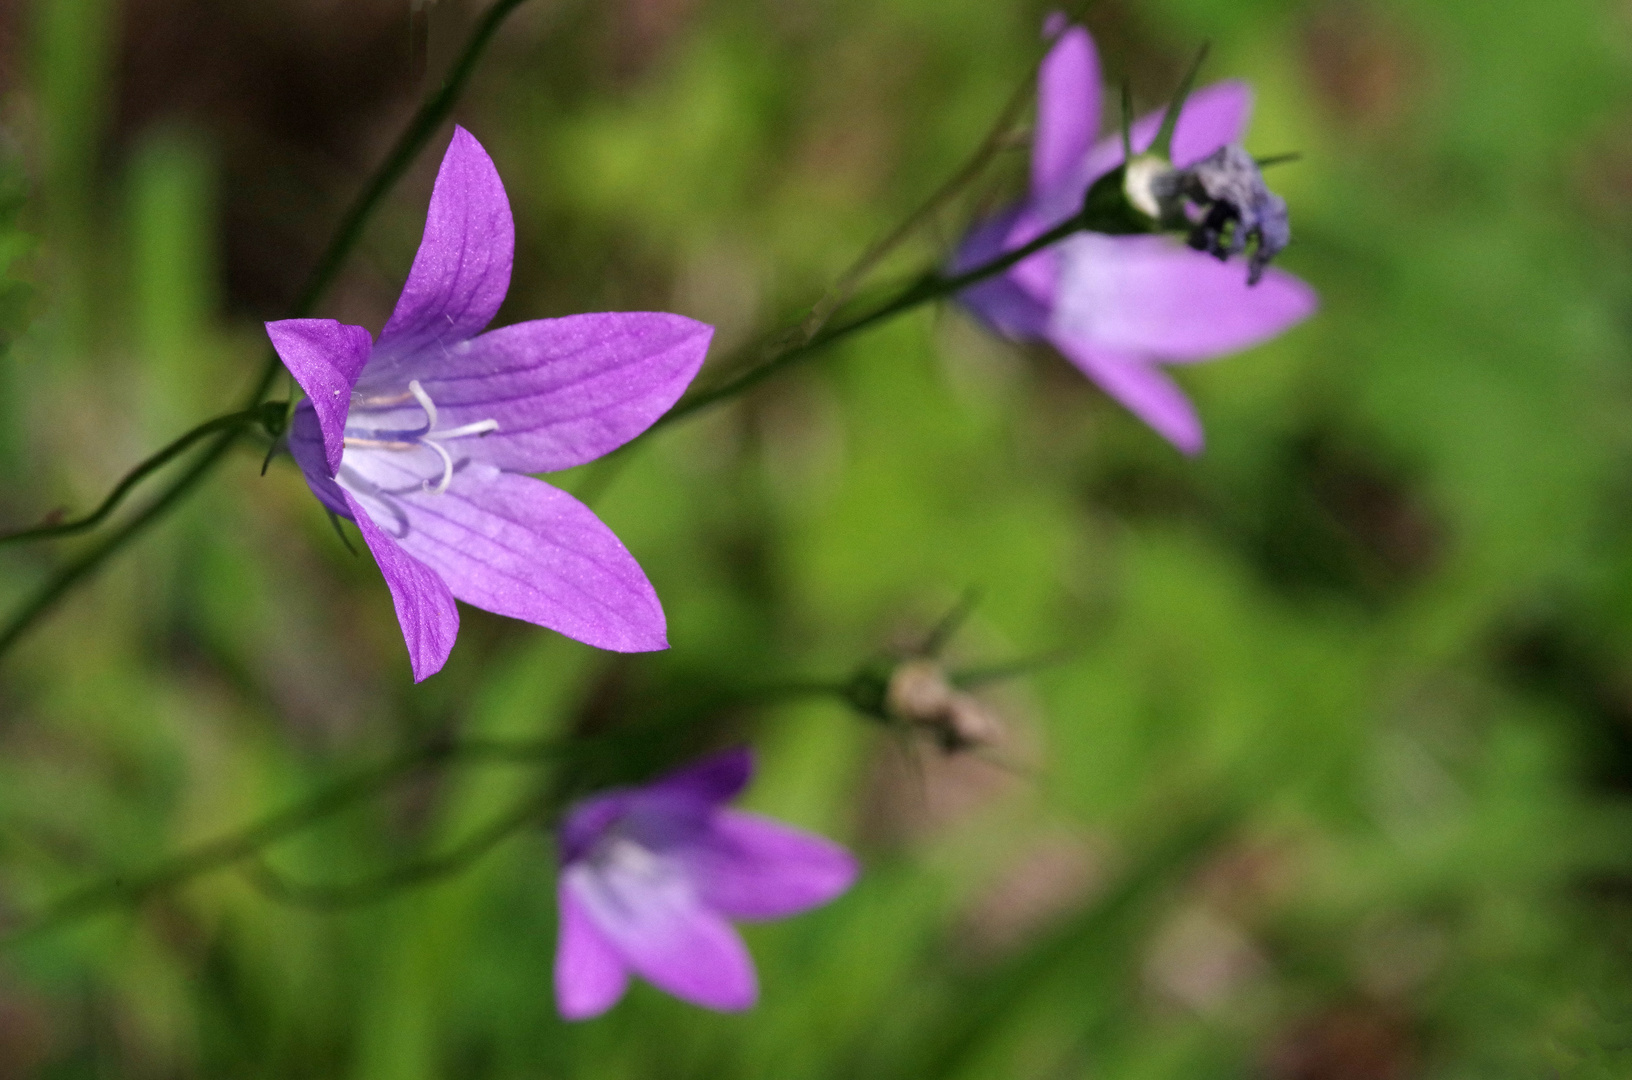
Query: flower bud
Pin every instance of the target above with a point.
(920, 695)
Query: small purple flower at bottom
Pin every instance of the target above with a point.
(651, 875)
(1121, 307)
(424, 437)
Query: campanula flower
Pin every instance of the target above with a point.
(1118, 307)
(424, 436)
(651, 875)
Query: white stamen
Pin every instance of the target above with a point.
(447, 469)
(379, 444)
(376, 401)
(429, 437)
(425, 403)
(480, 427)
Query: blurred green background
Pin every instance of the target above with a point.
(1332, 781)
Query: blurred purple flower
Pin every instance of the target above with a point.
(650, 875)
(1119, 306)
(423, 437)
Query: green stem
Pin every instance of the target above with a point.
(267, 415)
(931, 286)
(70, 575)
(997, 139)
(430, 116)
(419, 131)
(124, 890)
(972, 678)
(120, 890)
(420, 871)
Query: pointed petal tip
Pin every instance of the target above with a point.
(1141, 386)
(461, 271)
(575, 1011)
(1303, 300)
(424, 667)
(626, 631)
(727, 988)
(465, 142)
(425, 607)
(690, 334)
(643, 643)
(698, 337)
(590, 977)
(325, 357)
(743, 1001)
(757, 868)
(1068, 104)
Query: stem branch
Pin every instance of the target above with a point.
(120, 890)
(231, 422)
(931, 286)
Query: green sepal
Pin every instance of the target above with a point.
(1163, 143)
(1105, 209)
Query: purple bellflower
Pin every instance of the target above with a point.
(424, 436)
(650, 875)
(1118, 307)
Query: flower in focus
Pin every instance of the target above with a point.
(1118, 307)
(424, 436)
(650, 876)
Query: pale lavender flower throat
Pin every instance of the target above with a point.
(378, 408)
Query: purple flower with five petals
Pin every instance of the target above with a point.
(424, 437)
(650, 876)
(1118, 307)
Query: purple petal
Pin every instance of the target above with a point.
(645, 907)
(1154, 297)
(587, 819)
(589, 976)
(462, 270)
(1140, 386)
(1067, 110)
(325, 357)
(306, 447)
(1212, 116)
(676, 808)
(425, 607)
(1004, 302)
(566, 391)
(517, 546)
(750, 867)
(714, 779)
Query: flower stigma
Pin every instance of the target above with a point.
(428, 436)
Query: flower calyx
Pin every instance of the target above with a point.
(1220, 203)
(273, 417)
